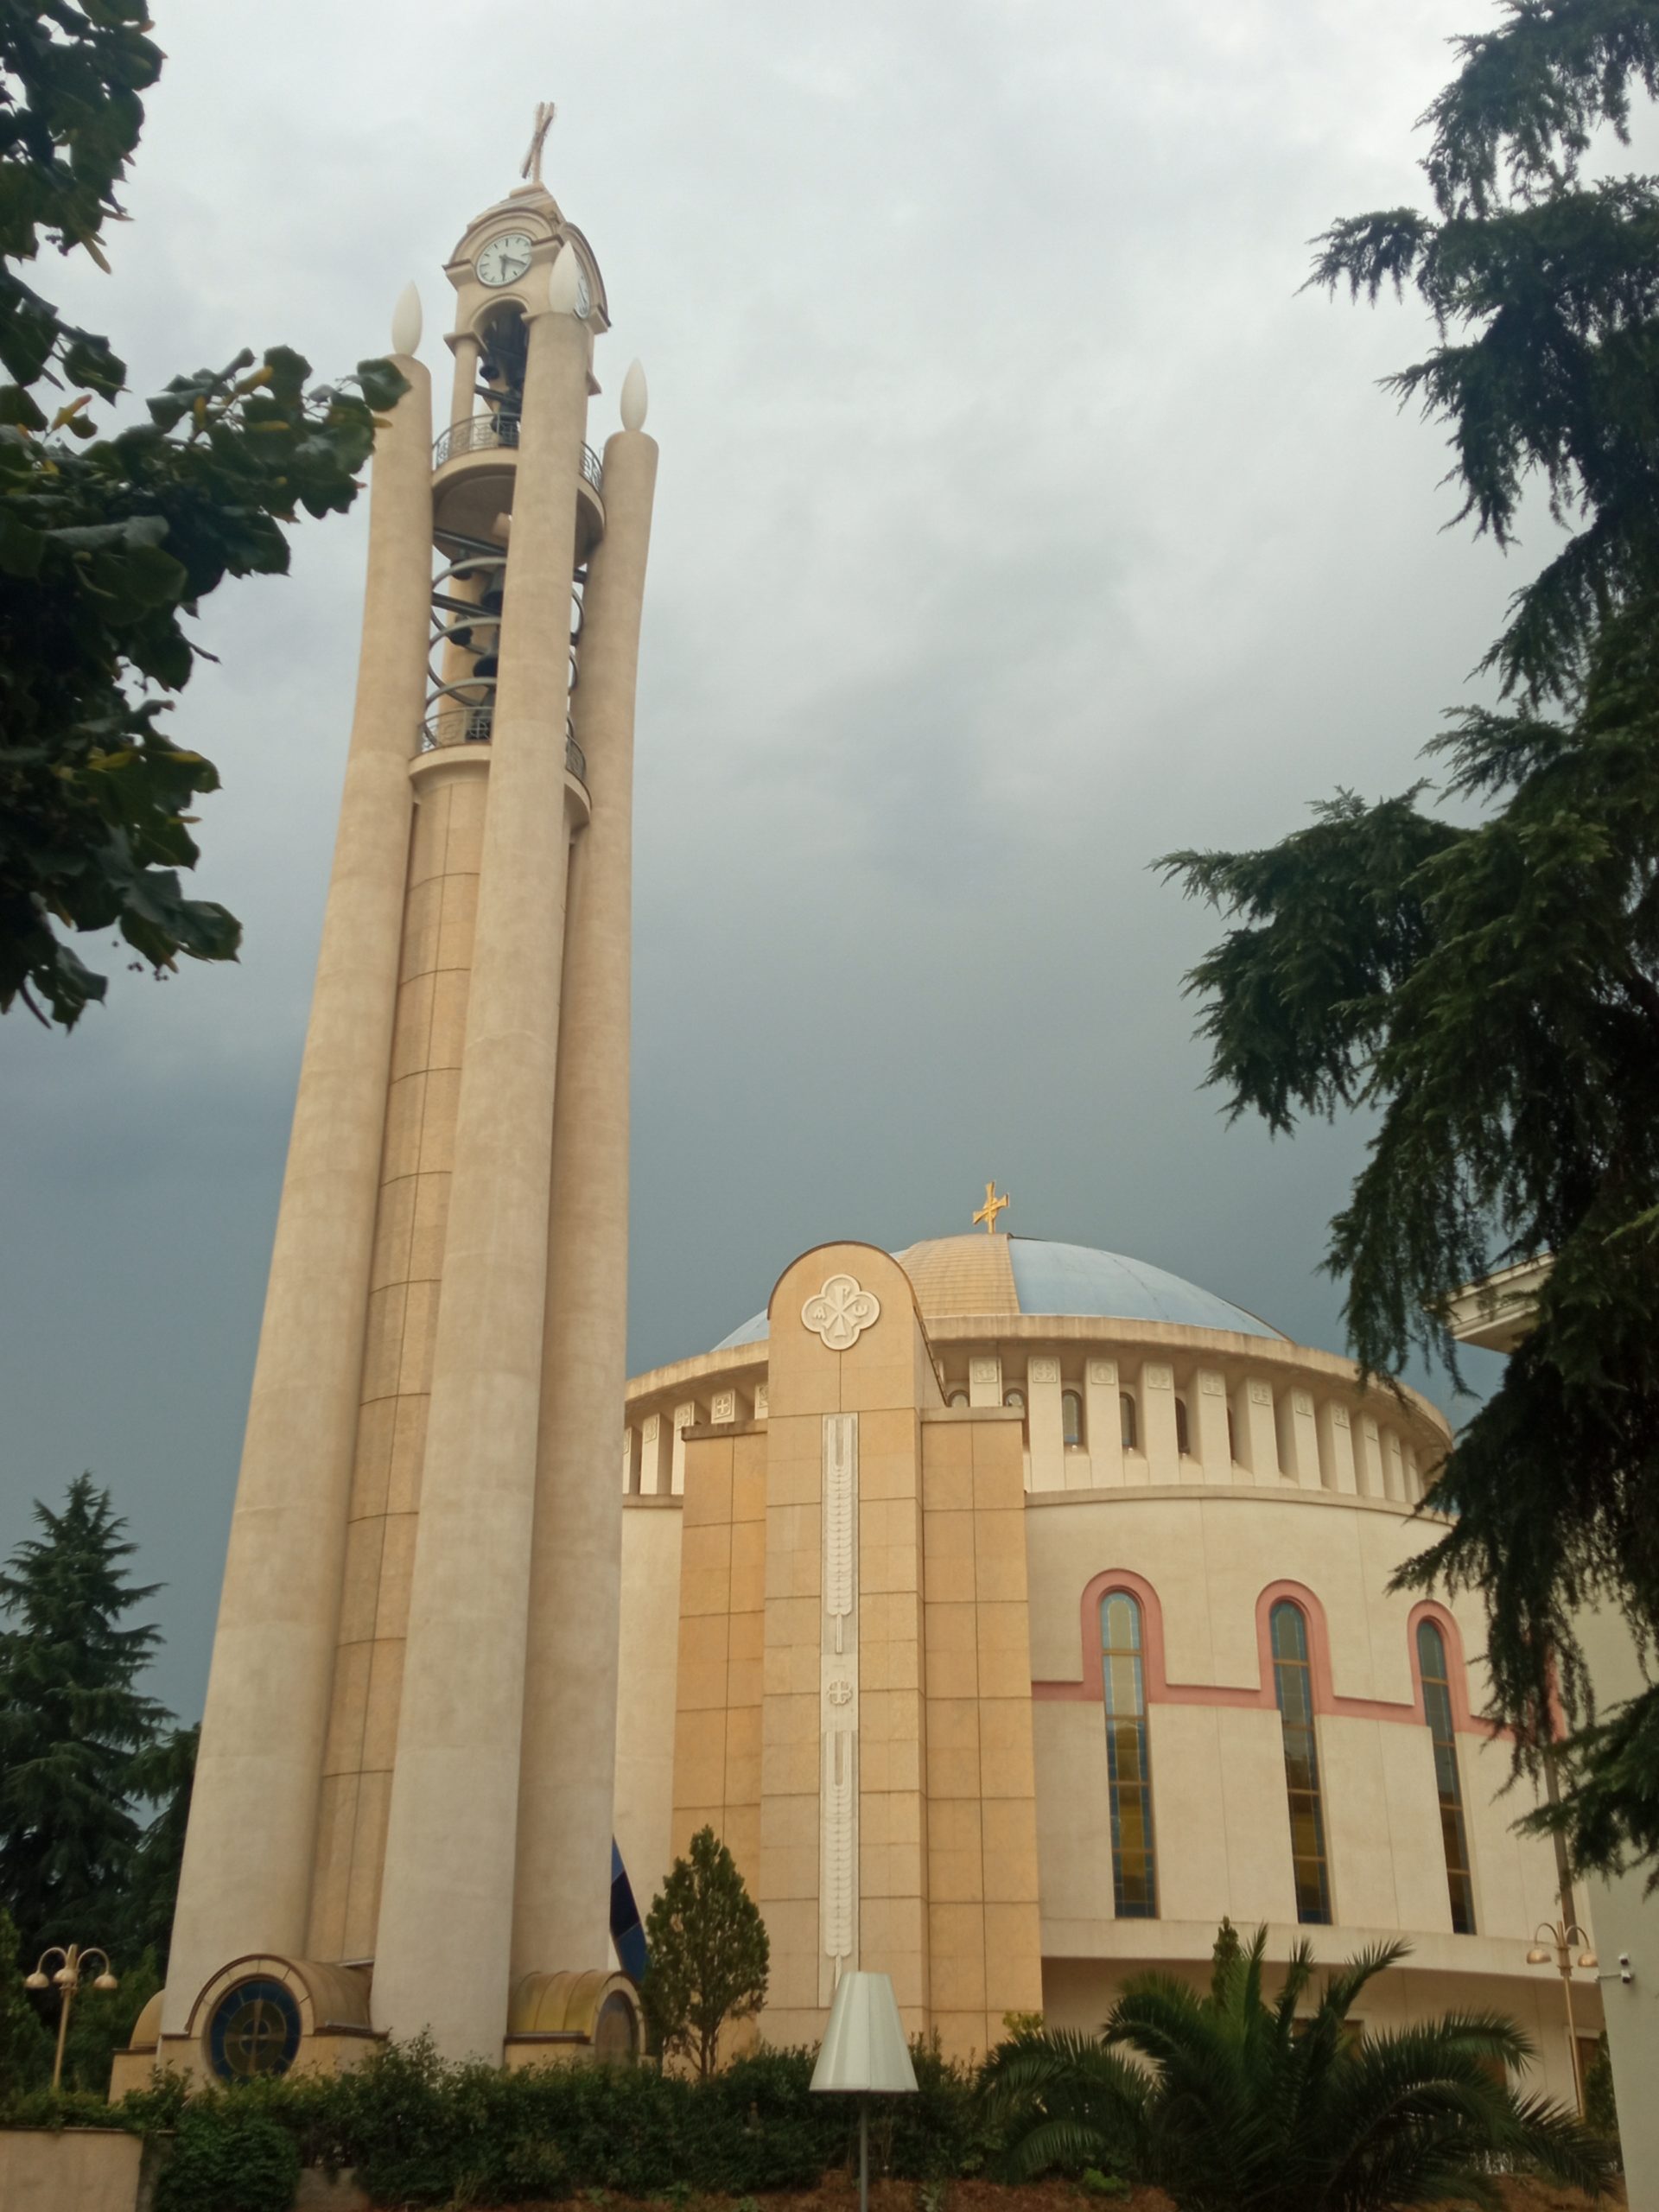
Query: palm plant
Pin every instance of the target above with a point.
(1233, 2102)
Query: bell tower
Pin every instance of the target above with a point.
(402, 1818)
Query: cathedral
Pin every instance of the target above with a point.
(1013, 1610)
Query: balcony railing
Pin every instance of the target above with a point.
(485, 433)
(477, 434)
(475, 726)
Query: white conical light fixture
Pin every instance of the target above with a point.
(564, 282)
(406, 321)
(634, 398)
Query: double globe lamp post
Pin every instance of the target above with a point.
(68, 1979)
(1557, 1950)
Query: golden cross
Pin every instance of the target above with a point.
(532, 163)
(992, 1207)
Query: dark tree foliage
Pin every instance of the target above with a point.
(1545, 291)
(709, 1954)
(75, 1729)
(108, 543)
(1484, 978)
(1241, 2102)
(25, 2048)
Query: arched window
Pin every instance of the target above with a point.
(1128, 1770)
(1126, 1414)
(1232, 1437)
(1437, 1711)
(1016, 1399)
(958, 1398)
(1183, 1434)
(1293, 1689)
(1071, 1416)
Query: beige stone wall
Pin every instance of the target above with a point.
(647, 1693)
(943, 1840)
(1221, 1823)
(980, 1786)
(717, 1667)
(72, 2170)
(417, 1159)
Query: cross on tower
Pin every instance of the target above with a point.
(532, 169)
(992, 1207)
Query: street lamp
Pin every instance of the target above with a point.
(1558, 1952)
(68, 1979)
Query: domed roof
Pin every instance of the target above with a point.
(956, 1275)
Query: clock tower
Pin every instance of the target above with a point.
(402, 1818)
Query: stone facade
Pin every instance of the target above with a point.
(1009, 1471)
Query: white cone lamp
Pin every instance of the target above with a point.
(634, 398)
(865, 2055)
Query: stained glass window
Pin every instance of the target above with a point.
(255, 2029)
(1129, 1767)
(1437, 1711)
(1293, 1687)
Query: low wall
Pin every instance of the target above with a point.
(73, 2170)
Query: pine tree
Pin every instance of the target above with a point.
(1477, 966)
(74, 1728)
(709, 1954)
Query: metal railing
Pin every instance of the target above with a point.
(457, 726)
(478, 434)
(487, 433)
(475, 726)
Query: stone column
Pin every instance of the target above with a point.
(560, 1914)
(443, 1949)
(463, 401)
(247, 1860)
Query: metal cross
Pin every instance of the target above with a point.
(545, 113)
(992, 1207)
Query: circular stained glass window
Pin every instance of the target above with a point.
(255, 2029)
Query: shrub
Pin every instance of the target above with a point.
(228, 2155)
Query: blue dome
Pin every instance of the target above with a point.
(956, 1275)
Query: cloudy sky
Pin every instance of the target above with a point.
(1019, 519)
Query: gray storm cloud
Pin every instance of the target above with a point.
(1019, 519)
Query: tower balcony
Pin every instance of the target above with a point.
(475, 467)
(472, 721)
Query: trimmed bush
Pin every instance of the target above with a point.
(228, 2155)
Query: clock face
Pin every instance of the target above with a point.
(584, 297)
(504, 260)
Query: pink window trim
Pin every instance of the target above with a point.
(1161, 1691)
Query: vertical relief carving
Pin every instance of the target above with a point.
(838, 1706)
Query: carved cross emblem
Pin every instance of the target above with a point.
(841, 1313)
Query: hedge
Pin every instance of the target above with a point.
(420, 2131)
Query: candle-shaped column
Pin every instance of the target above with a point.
(561, 1916)
(443, 1950)
(245, 1881)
